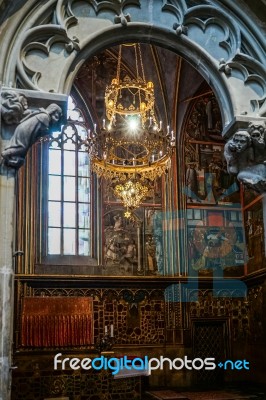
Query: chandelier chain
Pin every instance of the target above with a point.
(141, 64)
(133, 150)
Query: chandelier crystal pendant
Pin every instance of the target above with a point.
(131, 149)
(131, 193)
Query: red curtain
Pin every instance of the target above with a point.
(56, 321)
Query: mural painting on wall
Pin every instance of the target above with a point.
(132, 247)
(121, 244)
(207, 180)
(255, 237)
(154, 260)
(214, 219)
(216, 243)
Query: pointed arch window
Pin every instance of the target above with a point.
(69, 189)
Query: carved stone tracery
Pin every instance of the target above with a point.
(75, 24)
(207, 26)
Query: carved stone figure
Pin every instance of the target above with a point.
(118, 223)
(245, 154)
(112, 251)
(257, 133)
(254, 177)
(158, 239)
(13, 107)
(238, 152)
(30, 129)
(150, 247)
(131, 252)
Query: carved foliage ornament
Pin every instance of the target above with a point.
(245, 154)
(31, 125)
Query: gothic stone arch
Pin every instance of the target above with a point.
(48, 47)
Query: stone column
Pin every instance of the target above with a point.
(7, 184)
(55, 105)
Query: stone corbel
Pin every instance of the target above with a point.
(26, 117)
(245, 151)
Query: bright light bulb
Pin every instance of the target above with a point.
(133, 124)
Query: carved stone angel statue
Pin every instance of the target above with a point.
(29, 130)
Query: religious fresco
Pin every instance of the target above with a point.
(255, 237)
(216, 244)
(132, 246)
(207, 180)
(154, 257)
(205, 122)
(121, 245)
(215, 234)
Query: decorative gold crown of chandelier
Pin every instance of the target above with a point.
(130, 96)
(131, 150)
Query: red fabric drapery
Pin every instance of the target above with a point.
(56, 321)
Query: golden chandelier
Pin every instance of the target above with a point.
(131, 150)
(130, 96)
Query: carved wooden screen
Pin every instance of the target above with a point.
(209, 340)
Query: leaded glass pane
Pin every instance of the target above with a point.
(82, 132)
(55, 162)
(70, 215)
(54, 192)
(84, 190)
(69, 241)
(69, 163)
(54, 240)
(83, 164)
(84, 242)
(54, 213)
(69, 189)
(84, 215)
(69, 145)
